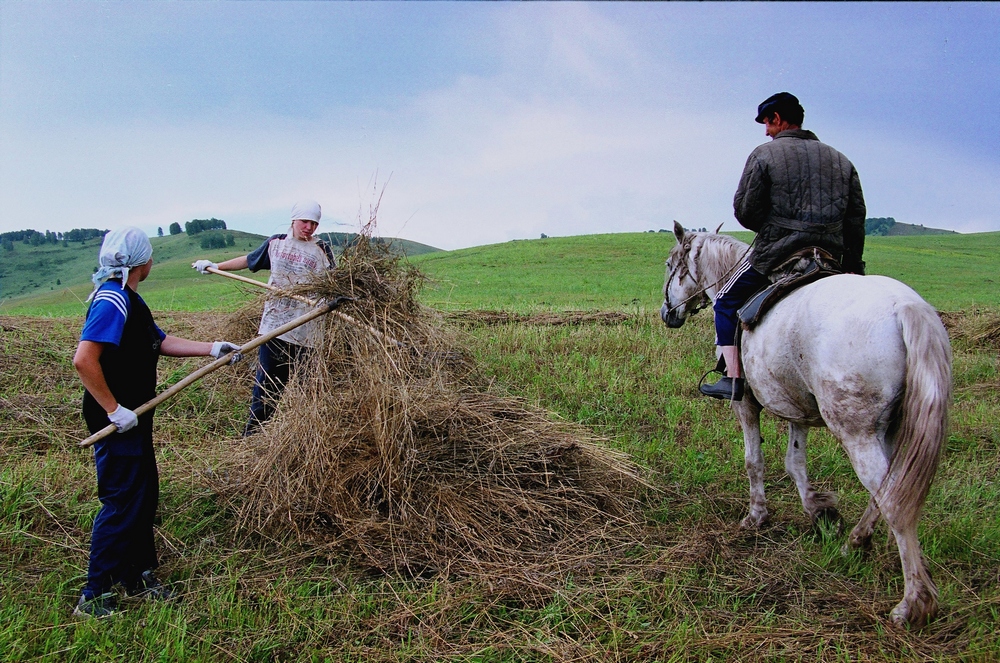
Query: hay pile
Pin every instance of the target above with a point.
(397, 453)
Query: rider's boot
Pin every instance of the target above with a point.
(727, 388)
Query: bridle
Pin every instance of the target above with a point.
(683, 267)
(683, 271)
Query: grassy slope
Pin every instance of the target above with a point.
(623, 271)
(901, 229)
(404, 246)
(28, 275)
(173, 285)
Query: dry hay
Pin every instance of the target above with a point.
(39, 405)
(388, 447)
(979, 329)
(554, 318)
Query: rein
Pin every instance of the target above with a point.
(701, 292)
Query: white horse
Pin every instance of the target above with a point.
(864, 356)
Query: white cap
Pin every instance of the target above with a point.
(306, 209)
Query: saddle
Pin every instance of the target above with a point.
(802, 268)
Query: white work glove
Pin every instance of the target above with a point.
(123, 418)
(202, 265)
(222, 348)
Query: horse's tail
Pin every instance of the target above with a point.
(923, 414)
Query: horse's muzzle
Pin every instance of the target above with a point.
(670, 317)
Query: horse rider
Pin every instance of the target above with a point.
(795, 193)
(292, 258)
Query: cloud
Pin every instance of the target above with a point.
(562, 119)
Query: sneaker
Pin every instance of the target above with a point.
(729, 389)
(149, 587)
(98, 607)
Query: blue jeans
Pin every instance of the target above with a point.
(276, 359)
(742, 285)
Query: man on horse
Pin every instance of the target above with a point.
(795, 193)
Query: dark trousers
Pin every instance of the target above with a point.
(128, 485)
(276, 359)
(742, 285)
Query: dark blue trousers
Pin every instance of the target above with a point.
(276, 359)
(742, 285)
(128, 485)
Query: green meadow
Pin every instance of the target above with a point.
(625, 271)
(695, 588)
(622, 272)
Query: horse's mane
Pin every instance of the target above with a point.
(716, 254)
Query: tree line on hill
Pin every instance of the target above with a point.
(195, 226)
(879, 226)
(37, 238)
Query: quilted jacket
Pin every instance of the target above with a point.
(797, 192)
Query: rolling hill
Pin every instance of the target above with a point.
(54, 275)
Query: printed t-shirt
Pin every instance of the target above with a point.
(291, 262)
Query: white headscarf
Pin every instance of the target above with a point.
(306, 209)
(121, 250)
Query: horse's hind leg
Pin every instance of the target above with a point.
(919, 602)
(818, 506)
(861, 535)
(748, 414)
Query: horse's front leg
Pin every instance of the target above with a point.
(748, 414)
(818, 506)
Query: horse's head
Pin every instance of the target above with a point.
(683, 292)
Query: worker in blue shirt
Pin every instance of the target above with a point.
(116, 360)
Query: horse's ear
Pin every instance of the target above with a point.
(719, 228)
(679, 232)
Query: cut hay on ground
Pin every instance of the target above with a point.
(395, 453)
(554, 318)
(979, 329)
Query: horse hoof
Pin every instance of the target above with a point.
(828, 521)
(859, 543)
(750, 522)
(913, 616)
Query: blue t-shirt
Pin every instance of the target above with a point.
(107, 314)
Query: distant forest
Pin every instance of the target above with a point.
(879, 226)
(36, 238)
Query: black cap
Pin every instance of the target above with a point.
(783, 103)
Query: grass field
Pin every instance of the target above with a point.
(622, 272)
(693, 588)
(625, 271)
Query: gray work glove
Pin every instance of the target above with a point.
(123, 418)
(222, 348)
(202, 265)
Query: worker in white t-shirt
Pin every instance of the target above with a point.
(292, 258)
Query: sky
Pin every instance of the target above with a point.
(477, 123)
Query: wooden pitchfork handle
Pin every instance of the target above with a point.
(305, 300)
(323, 309)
